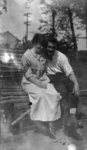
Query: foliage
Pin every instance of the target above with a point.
(3, 6)
(70, 15)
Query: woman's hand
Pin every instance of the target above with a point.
(38, 82)
(42, 85)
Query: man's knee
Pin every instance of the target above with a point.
(74, 102)
(62, 89)
(59, 81)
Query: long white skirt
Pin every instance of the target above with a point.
(45, 102)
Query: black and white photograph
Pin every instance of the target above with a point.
(43, 75)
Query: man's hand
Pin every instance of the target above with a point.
(76, 90)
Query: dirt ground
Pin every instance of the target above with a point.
(28, 139)
(24, 137)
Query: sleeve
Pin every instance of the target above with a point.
(26, 67)
(65, 65)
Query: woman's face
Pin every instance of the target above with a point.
(38, 48)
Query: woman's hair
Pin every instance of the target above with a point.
(36, 39)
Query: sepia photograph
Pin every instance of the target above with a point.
(43, 74)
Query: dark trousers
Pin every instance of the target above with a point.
(63, 85)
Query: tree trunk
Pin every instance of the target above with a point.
(86, 26)
(73, 34)
(53, 23)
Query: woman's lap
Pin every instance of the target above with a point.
(34, 89)
(45, 103)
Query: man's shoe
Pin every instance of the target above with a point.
(71, 131)
(72, 121)
(80, 124)
(80, 116)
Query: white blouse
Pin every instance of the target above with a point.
(34, 66)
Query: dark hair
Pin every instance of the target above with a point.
(52, 40)
(36, 39)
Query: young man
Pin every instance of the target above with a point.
(62, 76)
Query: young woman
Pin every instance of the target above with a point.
(42, 94)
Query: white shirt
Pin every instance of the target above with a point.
(60, 64)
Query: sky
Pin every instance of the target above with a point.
(13, 20)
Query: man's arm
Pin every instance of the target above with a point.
(73, 78)
(68, 71)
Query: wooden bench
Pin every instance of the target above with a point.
(15, 103)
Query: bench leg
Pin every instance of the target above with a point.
(9, 115)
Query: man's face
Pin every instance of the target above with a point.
(50, 50)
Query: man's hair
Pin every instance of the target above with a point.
(45, 41)
(36, 39)
(52, 40)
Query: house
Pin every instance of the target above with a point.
(9, 54)
(8, 40)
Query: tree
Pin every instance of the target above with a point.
(3, 6)
(70, 15)
(61, 18)
(48, 20)
(80, 9)
(73, 32)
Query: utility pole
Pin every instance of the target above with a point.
(27, 23)
(27, 15)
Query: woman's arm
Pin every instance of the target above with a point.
(37, 82)
(29, 75)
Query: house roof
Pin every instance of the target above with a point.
(7, 33)
(8, 40)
